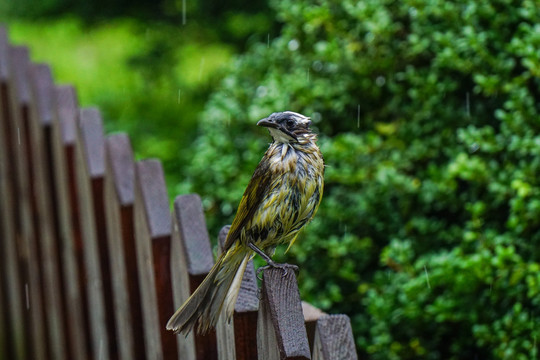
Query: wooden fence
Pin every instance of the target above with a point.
(93, 263)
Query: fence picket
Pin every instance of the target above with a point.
(238, 340)
(153, 238)
(20, 104)
(64, 136)
(3, 322)
(89, 164)
(334, 339)
(191, 261)
(40, 129)
(11, 277)
(281, 333)
(119, 198)
(311, 315)
(77, 279)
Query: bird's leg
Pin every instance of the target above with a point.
(262, 254)
(270, 262)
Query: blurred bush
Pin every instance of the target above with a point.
(148, 65)
(149, 80)
(232, 21)
(429, 230)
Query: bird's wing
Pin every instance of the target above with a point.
(252, 198)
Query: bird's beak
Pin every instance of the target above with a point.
(273, 125)
(268, 123)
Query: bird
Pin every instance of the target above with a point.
(282, 196)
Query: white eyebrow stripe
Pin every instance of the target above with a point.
(298, 117)
(295, 114)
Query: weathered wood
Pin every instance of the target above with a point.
(4, 325)
(77, 332)
(62, 246)
(94, 145)
(334, 339)
(77, 281)
(40, 129)
(153, 242)
(311, 315)
(238, 339)
(191, 260)
(90, 169)
(281, 333)
(28, 240)
(119, 195)
(10, 270)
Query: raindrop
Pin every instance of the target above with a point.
(226, 209)
(293, 45)
(201, 69)
(261, 91)
(369, 37)
(474, 147)
(27, 297)
(427, 277)
(380, 81)
(183, 12)
(317, 65)
(178, 100)
(534, 346)
(19, 134)
(468, 105)
(358, 117)
(316, 117)
(268, 41)
(307, 74)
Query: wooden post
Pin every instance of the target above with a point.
(64, 140)
(281, 333)
(90, 171)
(238, 340)
(94, 145)
(191, 260)
(57, 185)
(153, 239)
(28, 236)
(334, 339)
(10, 278)
(69, 123)
(119, 198)
(40, 129)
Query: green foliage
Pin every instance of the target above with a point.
(232, 21)
(429, 230)
(149, 80)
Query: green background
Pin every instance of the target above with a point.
(428, 114)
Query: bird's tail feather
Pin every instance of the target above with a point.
(219, 290)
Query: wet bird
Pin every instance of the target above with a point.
(280, 199)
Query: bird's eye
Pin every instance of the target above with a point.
(290, 122)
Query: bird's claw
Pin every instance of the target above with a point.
(284, 267)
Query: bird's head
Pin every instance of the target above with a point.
(288, 127)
